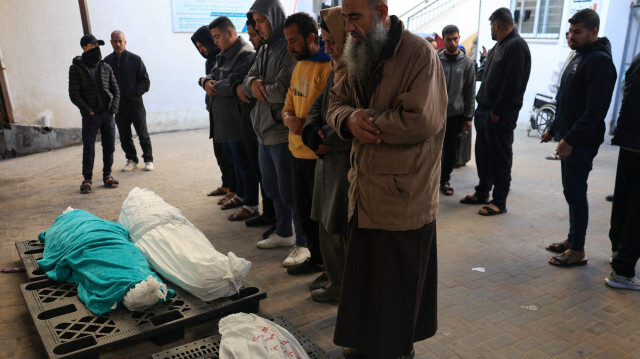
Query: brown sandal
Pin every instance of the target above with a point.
(220, 191)
(233, 203)
(568, 258)
(558, 247)
(226, 197)
(242, 214)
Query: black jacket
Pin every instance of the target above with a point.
(83, 91)
(203, 36)
(505, 75)
(131, 74)
(584, 96)
(627, 133)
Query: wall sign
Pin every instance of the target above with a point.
(189, 15)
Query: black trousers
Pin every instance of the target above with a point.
(134, 113)
(625, 214)
(225, 163)
(303, 173)
(494, 155)
(105, 123)
(449, 146)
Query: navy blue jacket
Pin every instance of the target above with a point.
(584, 96)
(627, 133)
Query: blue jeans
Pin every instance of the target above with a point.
(275, 165)
(106, 124)
(575, 172)
(246, 180)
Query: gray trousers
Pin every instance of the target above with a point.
(332, 249)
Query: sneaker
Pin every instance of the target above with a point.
(274, 241)
(148, 166)
(320, 282)
(621, 282)
(130, 166)
(296, 255)
(305, 267)
(269, 231)
(324, 295)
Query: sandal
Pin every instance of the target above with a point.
(553, 157)
(233, 203)
(568, 259)
(226, 197)
(242, 214)
(85, 187)
(471, 200)
(109, 182)
(558, 247)
(218, 192)
(492, 212)
(446, 189)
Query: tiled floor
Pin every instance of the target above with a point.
(519, 307)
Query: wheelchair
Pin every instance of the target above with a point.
(542, 114)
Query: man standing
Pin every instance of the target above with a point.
(499, 101)
(459, 70)
(582, 103)
(625, 227)
(268, 81)
(233, 62)
(94, 90)
(393, 104)
(307, 82)
(133, 82)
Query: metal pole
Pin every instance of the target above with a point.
(84, 14)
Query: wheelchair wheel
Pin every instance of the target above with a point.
(544, 118)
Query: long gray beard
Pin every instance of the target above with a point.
(362, 58)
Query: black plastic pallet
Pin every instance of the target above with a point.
(209, 347)
(69, 330)
(30, 252)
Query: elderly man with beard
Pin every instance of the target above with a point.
(393, 104)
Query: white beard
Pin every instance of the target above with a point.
(362, 58)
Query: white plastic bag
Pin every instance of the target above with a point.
(179, 251)
(250, 336)
(145, 294)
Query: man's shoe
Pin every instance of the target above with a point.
(148, 166)
(275, 241)
(306, 267)
(130, 166)
(297, 255)
(324, 295)
(621, 282)
(320, 282)
(351, 353)
(269, 231)
(260, 221)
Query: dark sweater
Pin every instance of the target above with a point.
(84, 92)
(131, 74)
(584, 96)
(505, 75)
(627, 133)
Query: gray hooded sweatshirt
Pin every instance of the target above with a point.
(461, 84)
(274, 65)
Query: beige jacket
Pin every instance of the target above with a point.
(395, 183)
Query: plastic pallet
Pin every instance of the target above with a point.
(30, 252)
(69, 330)
(209, 347)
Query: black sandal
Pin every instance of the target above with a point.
(85, 187)
(446, 189)
(558, 247)
(491, 211)
(109, 182)
(470, 200)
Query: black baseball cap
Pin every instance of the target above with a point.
(90, 39)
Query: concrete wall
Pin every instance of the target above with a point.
(464, 16)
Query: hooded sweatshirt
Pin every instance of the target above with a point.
(461, 84)
(203, 36)
(307, 82)
(627, 133)
(274, 65)
(584, 96)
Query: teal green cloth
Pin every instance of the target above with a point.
(95, 254)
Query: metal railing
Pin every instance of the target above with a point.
(427, 13)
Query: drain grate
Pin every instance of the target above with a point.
(209, 347)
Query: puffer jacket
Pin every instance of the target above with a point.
(83, 91)
(627, 133)
(394, 184)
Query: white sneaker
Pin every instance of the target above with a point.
(621, 282)
(148, 166)
(274, 241)
(130, 166)
(296, 255)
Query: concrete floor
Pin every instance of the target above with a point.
(519, 307)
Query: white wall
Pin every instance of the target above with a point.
(39, 39)
(464, 16)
